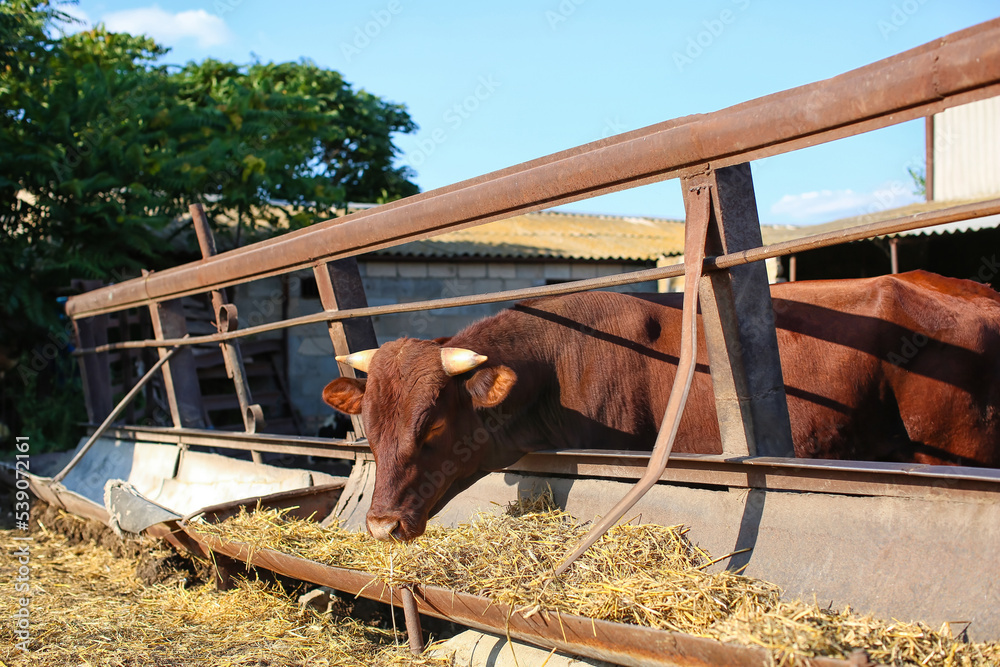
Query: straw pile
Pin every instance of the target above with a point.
(641, 574)
(88, 608)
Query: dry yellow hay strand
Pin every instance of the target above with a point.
(641, 574)
(88, 608)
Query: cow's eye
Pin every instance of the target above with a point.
(434, 430)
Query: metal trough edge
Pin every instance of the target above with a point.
(631, 645)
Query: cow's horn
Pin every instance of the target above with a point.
(457, 360)
(358, 360)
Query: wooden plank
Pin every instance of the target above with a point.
(738, 319)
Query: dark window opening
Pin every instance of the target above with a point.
(308, 288)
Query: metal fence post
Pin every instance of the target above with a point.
(738, 320)
(340, 288)
(180, 378)
(227, 320)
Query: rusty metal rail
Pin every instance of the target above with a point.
(713, 263)
(859, 478)
(603, 640)
(956, 69)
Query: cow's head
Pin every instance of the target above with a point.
(431, 414)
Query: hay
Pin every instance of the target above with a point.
(640, 574)
(88, 608)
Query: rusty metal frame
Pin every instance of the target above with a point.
(956, 69)
(712, 263)
(227, 320)
(603, 640)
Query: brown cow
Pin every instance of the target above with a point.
(899, 368)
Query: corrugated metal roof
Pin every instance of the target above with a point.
(778, 234)
(556, 235)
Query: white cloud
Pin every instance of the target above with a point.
(827, 205)
(206, 29)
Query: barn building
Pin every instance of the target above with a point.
(962, 166)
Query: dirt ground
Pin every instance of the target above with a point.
(98, 600)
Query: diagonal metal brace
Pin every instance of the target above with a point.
(227, 320)
(695, 236)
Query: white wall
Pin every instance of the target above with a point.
(966, 159)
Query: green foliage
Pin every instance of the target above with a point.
(102, 150)
(50, 403)
(919, 180)
(86, 150)
(292, 133)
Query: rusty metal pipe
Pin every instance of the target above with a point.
(826, 239)
(414, 632)
(956, 69)
(618, 643)
(696, 234)
(122, 404)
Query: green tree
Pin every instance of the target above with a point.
(292, 134)
(102, 149)
(88, 173)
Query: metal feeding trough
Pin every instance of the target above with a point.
(905, 541)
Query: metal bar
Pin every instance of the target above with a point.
(156, 316)
(738, 319)
(698, 198)
(240, 440)
(894, 255)
(810, 475)
(226, 320)
(813, 242)
(821, 477)
(929, 158)
(956, 69)
(413, 631)
(603, 640)
(340, 287)
(114, 413)
(94, 370)
(128, 374)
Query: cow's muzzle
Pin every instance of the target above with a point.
(385, 529)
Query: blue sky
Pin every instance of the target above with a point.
(495, 84)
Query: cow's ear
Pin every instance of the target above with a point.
(345, 394)
(490, 386)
